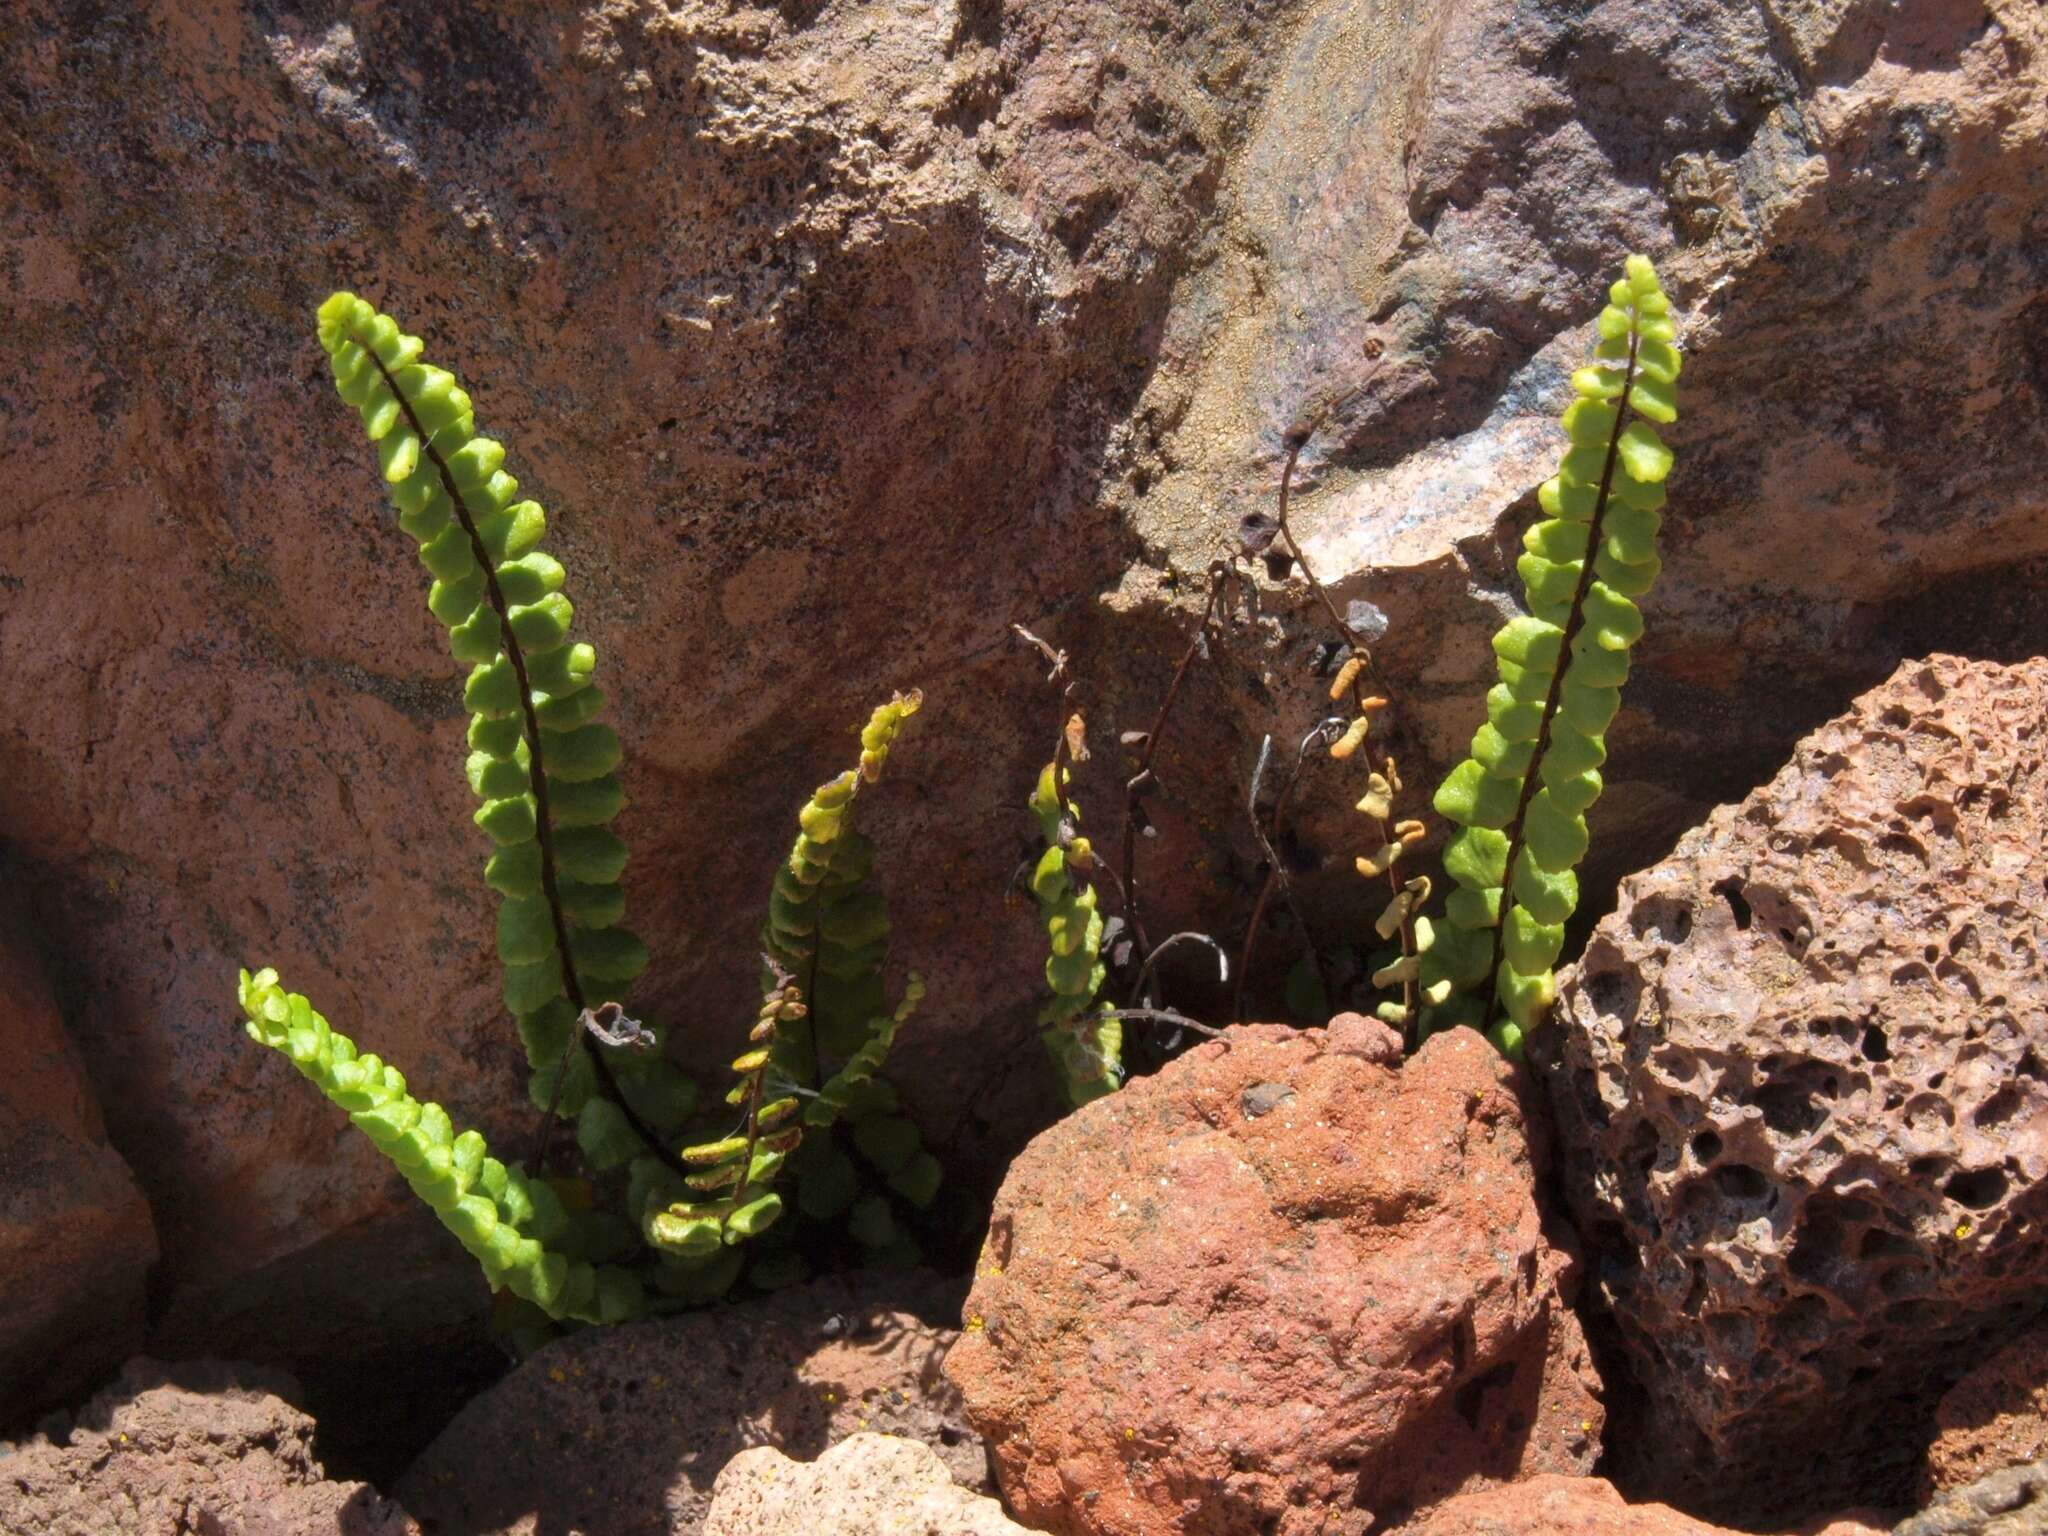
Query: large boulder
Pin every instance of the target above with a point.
(76, 1240)
(1803, 1104)
(1283, 1285)
(866, 1485)
(200, 1447)
(627, 1428)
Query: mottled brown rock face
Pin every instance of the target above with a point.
(1803, 1100)
(866, 1485)
(198, 1447)
(836, 338)
(75, 1236)
(1995, 1417)
(1584, 1506)
(625, 1429)
(1275, 1287)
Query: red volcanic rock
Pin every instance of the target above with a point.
(1802, 1100)
(1584, 1506)
(76, 1240)
(1275, 1287)
(1995, 1417)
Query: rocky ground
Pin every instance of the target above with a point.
(838, 338)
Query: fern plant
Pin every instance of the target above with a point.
(1521, 797)
(546, 769)
(1086, 1045)
(828, 924)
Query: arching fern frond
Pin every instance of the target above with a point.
(1534, 771)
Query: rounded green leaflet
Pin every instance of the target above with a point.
(546, 1030)
(527, 986)
(449, 554)
(1477, 856)
(492, 777)
(1574, 793)
(1587, 709)
(1614, 622)
(570, 710)
(578, 1079)
(1592, 667)
(526, 930)
(587, 803)
(605, 1137)
(1526, 997)
(514, 871)
(1529, 642)
(591, 854)
(610, 955)
(1558, 539)
(562, 671)
(1627, 580)
(1528, 944)
(1643, 453)
(1557, 839)
(1515, 719)
(1590, 423)
(1548, 897)
(1472, 797)
(508, 821)
(508, 534)
(542, 625)
(1573, 751)
(1473, 908)
(1548, 581)
(492, 689)
(1500, 757)
(1570, 500)
(454, 602)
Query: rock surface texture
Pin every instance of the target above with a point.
(1276, 1287)
(1582, 1506)
(204, 1449)
(1803, 1099)
(1995, 1417)
(76, 1241)
(2009, 1503)
(671, 1402)
(866, 1485)
(836, 337)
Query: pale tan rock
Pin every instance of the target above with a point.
(670, 1402)
(1275, 1287)
(1802, 1103)
(199, 1447)
(866, 1485)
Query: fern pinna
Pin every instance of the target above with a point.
(1522, 796)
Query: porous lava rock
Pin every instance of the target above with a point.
(1277, 1287)
(198, 1447)
(76, 1240)
(626, 1428)
(1584, 1506)
(2013, 1502)
(1802, 1098)
(1995, 1417)
(866, 1485)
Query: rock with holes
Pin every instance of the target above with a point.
(1282, 1286)
(866, 1485)
(1802, 1088)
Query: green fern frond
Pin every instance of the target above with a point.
(509, 1224)
(1086, 1047)
(544, 766)
(829, 927)
(1534, 771)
